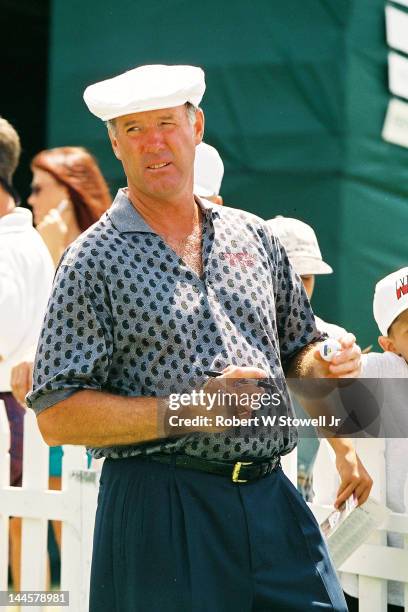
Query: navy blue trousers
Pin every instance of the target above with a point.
(169, 539)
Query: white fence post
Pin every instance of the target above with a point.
(4, 482)
(77, 534)
(74, 505)
(34, 530)
(372, 592)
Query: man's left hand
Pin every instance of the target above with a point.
(346, 363)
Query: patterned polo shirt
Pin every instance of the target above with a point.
(127, 316)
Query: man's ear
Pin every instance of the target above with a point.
(199, 126)
(114, 144)
(387, 344)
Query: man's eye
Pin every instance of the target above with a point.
(134, 128)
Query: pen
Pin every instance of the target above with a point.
(260, 383)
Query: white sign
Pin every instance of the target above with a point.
(397, 28)
(395, 128)
(403, 2)
(398, 74)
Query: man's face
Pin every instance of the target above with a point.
(157, 150)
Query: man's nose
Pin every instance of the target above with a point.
(154, 141)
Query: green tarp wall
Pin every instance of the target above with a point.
(296, 97)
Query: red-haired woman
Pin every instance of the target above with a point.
(68, 194)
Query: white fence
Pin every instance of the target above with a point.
(74, 505)
(374, 562)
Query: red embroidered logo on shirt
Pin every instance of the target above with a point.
(401, 287)
(240, 259)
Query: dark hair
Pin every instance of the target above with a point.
(78, 170)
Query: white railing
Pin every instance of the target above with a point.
(374, 562)
(74, 505)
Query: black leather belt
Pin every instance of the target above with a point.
(240, 471)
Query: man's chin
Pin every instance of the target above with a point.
(164, 189)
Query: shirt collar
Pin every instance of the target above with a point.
(17, 220)
(125, 217)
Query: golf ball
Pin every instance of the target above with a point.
(329, 348)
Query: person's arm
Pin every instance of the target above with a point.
(96, 418)
(354, 478)
(346, 364)
(308, 363)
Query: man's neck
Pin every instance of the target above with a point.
(7, 204)
(173, 216)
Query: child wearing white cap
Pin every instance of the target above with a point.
(390, 307)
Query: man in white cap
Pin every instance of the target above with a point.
(208, 173)
(302, 248)
(165, 290)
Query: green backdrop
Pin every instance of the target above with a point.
(295, 102)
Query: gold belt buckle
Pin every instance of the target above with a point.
(237, 468)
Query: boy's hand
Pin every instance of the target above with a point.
(354, 478)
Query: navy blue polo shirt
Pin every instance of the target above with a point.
(128, 316)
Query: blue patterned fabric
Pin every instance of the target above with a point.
(127, 316)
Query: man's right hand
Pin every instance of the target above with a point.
(232, 380)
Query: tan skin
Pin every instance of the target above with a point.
(397, 339)
(7, 204)
(53, 212)
(157, 152)
(353, 475)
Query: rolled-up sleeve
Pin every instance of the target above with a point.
(296, 325)
(75, 347)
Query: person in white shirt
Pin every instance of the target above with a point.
(26, 273)
(390, 306)
(302, 248)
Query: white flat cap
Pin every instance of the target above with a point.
(145, 88)
(300, 242)
(208, 170)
